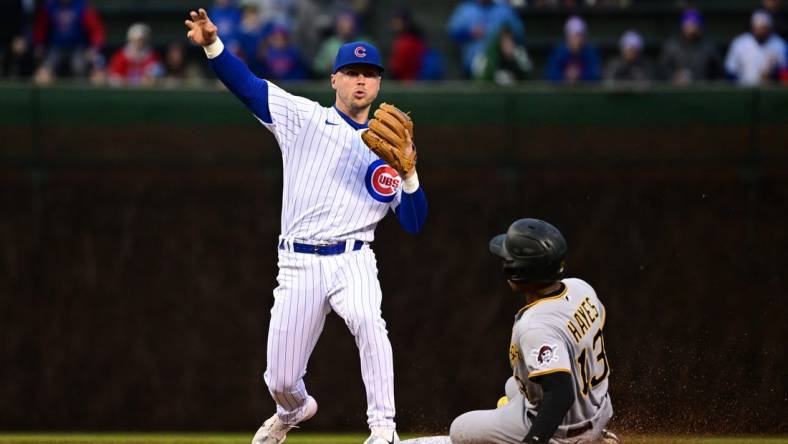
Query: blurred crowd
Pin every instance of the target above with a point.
(491, 39)
(292, 40)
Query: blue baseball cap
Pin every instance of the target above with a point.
(357, 52)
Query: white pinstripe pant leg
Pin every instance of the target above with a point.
(297, 319)
(356, 297)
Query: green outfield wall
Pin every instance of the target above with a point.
(435, 104)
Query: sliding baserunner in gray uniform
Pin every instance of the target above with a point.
(558, 393)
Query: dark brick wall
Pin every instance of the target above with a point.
(136, 276)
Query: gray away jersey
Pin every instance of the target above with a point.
(563, 333)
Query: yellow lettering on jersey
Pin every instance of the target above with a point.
(593, 307)
(581, 311)
(514, 355)
(581, 322)
(590, 310)
(584, 317)
(575, 332)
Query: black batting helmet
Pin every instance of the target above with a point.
(533, 251)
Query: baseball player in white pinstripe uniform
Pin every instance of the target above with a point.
(335, 192)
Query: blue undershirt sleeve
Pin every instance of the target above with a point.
(237, 77)
(412, 211)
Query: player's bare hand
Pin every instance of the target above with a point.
(202, 31)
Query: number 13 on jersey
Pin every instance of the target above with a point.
(592, 364)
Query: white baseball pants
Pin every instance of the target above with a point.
(310, 286)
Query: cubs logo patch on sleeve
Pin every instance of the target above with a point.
(382, 181)
(545, 355)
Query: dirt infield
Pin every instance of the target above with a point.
(314, 438)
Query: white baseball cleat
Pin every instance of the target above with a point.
(274, 431)
(382, 435)
(609, 437)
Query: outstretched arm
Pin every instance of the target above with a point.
(558, 396)
(235, 75)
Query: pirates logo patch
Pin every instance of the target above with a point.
(545, 355)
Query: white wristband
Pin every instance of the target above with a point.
(214, 49)
(411, 184)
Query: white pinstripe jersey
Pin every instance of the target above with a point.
(335, 188)
(563, 333)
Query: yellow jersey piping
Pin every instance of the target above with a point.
(549, 298)
(547, 372)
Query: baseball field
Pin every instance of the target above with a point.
(222, 218)
(322, 438)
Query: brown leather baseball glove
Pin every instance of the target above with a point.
(390, 136)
